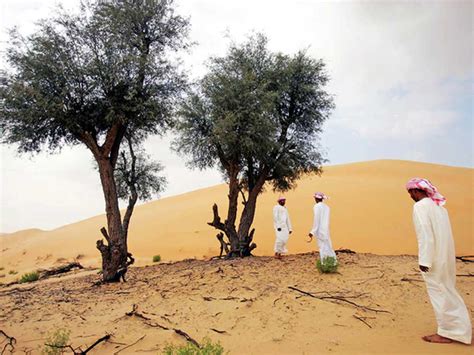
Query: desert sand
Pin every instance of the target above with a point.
(370, 213)
(247, 304)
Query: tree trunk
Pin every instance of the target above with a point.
(230, 230)
(245, 235)
(114, 254)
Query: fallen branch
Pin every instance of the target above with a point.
(344, 251)
(339, 299)
(410, 280)
(362, 319)
(150, 322)
(79, 351)
(11, 341)
(466, 275)
(186, 336)
(128, 346)
(219, 331)
(372, 278)
(466, 258)
(43, 274)
(97, 342)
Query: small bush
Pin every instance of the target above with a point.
(156, 258)
(2, 268)
(13, 272)
(328, 265)
(29, 277)
(55, 341)
(207, 348)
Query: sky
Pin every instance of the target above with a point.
(402, 75)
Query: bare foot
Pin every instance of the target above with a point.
(435, 338)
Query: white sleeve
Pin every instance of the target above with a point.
(424, 234)
(314, 230)
(288, 222)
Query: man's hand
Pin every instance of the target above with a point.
(424, 268)
(279, 229)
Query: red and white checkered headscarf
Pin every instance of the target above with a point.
(320, 195)
(428, 187)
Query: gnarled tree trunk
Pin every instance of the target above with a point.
(114, 253)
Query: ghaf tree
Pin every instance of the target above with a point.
(257, 116)
(93, 79)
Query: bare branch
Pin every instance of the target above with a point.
(216, 223)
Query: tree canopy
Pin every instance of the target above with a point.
(257, 116)
(95, 78)
(80, 75)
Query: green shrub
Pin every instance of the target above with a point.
(29, 277)
(156, 258)
(13, 272)
(328, 265)
(207, 348)
(55, 341)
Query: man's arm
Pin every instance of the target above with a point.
(316, 222)
(288, 222)
(424, 234)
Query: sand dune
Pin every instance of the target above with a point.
(371, 212)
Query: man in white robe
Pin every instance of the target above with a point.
(321, 227)
(282, 225)
(437, 262)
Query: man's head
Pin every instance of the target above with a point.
(319, 197)
(281, 201)
(419, 188)
(417, 194)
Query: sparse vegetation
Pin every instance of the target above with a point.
(13, 272)
(207, 348)
(156, 258)
(56, 341)
(327, 266)
(29, 277)
(2, 268)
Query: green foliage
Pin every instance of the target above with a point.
(81, 76)
(328, 265)
(156, 258)
(137, 174)
(57, 339)
(13, 272)
(258, 112)
(29, 277)
(207, 348)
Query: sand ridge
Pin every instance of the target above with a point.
(370, 212)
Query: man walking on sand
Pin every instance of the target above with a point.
(282, 224)
(437, 261)
(321, 227)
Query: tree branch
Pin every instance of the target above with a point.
(11, 343)
(216, 222)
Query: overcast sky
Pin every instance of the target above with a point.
(402, 75)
